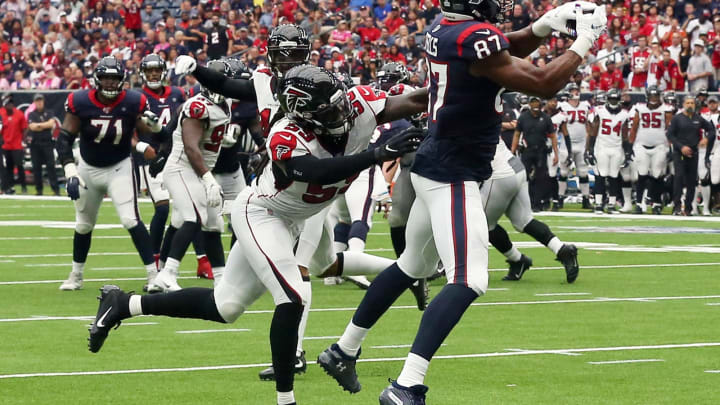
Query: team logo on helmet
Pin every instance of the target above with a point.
(295, 98)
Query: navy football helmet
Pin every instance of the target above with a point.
(150, 62)
(109, 77)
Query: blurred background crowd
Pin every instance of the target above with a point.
(53, 44)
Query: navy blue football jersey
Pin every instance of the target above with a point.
(464, 111)
(387, 131)
(106, 131)
(164, 105)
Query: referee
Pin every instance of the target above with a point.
(684, 134)
(536, 127)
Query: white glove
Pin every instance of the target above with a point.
(589, 28)
(71, 171)
(227, 207)
(151, 120)
(184, 65)
(212, 190)
(557, 19)
(231, 136)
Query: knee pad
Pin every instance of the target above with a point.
(229, 304)
(128, 222)
(359, 229)
(84, 228)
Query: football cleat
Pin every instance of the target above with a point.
(599, 209)
(204, 269)
(638, 210)
(300, 367)
(421, 291)
(586, 203)
(396, 394)
(612, 210)
(555, 206)
(626, 208)
(518, 268)
(73, 282)
(165, 281)
(567, 255)
(657, 209)
(360, 281)
(150, 279)
(341, 367)
(113, 302)
(332, 280)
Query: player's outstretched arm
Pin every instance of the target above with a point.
(404, 106)
(239, 89)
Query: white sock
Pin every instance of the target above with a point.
(218, 273)
(611, 200)
(414, 370)
(161, 265)
(706, 198)
(285, 398)
(172, 266)
(585, 189)
(555, 245)
(562, 188)
(150, 268)
(307, 293)
(599, 199)
(135, 305)
(627, 195)
(352, 338)
(356, 245)
(513, 254)
(363, 264)
(78, 267)
(339, 246)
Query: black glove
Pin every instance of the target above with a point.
(628, 159)
(707, 161)
(590, 158)
(73, 187)
(157, 165)
(407, 142)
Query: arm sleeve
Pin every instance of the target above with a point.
(239, 89)
(310, 169)
(63, 145)
(672, 133)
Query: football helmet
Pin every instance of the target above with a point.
(573, 91)
(653, 96)
(151, 62)
(613, 100)
(316, 100)
(670, 98)
(223, 67)
(109, 77)
(239, 69)
(391, 74)
(600, 97)
(562, 96)
(522, 100)
(492, 11)
(288, 46)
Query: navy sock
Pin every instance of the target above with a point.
(141, 240)
(440, 317)
(214, 249)
(193, 302)
(283, 343)
(167, 242)
(500, 239)
(198, 241)
(182, 239)
(383, 292)
(157, 226)
(539, 231)
(359, 229)
(81, 246)
(397, 235)
(342, 232)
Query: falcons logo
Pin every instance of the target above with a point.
(295, 98)
(280, 152)
(196, 110)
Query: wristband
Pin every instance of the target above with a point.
(70, 170)
(581, 46)
(141, 147)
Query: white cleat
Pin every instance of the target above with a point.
(706, 212)
(151, 275)
(360, 281)
(332, 280)
(165, 281)
(74, 282)
(626, 208)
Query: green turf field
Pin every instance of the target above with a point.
(640, 325)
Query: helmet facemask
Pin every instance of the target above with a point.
(109, 84)
(153, 75)
(287, 55)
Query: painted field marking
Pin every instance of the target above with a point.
(713, 304)
(321, 337)
(560, 352)
(138, 323)
(46, 265)
(625, 361)
(363, 360)
(561, 293)
(397, 346)
(211, 331)
(87, 280)
(63, 237)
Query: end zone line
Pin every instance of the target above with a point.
(383, 359)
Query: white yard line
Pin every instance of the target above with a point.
(625, 361)
(87, 280)
(64, 237)
(187, 332)
(561, 293)
(713, 371)
(397, 346)
(321, 337)
(362, 360)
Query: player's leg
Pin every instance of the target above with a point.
(360, 206)
(562, 181)
(715, 175)
(212, 231)
(403, 196)
(602, 168)
(643, 158)
(161, 200)
(86, 212)
(581, 168)
(616, 158)
(231, 184)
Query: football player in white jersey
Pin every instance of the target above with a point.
(196, 195)
(650, 147)
(315, 152)
(709, 176)
(506, 193)
(559, 120)
(577, 125)
(605, 149)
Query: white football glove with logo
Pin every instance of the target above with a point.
(589, 28)
(151, 120)
(184, 65)
(557, 19)
(231, 136)
(212, 190)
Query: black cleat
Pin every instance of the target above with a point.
(300, 367)
(638, 210)
(421, 291)
(341, 367)
(567, 255)
(657, 210)
(112, 309)
(561, 202)
(555, 206)
(396, 394)
(518, 268)
(586, 203)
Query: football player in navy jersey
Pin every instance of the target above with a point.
(105, 119)
(471, 64)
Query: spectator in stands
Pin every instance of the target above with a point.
(20, 82)
(700, 70)
(393, 21)
(13, 128)
(340, 36)
(695, 26)
(669, 74)
(382, 9)
(675, 47)
(41, 122)
(640, 64)
(132, 15)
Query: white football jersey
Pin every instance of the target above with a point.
(500, 165)
(576, 119)
(610, 127)
(651, 125)
(216, 119)
(268, 105)
(297, 200)
(557, 121)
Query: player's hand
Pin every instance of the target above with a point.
(407, 142)
(590, 158)
(184, 65)
(686, 151)
(74, 182)
(708, 163)
(561, 19)
(157, 165)
(212, 190)
(150, 153)
(555, 159)
(568, 162)
(589, 27)
(232, 133)
(628, 159)
(151, 120)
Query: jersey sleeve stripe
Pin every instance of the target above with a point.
(143, 103)
(71, 102)
(469, 30)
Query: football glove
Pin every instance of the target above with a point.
(231, 136)
(568, 162)
(151, 120)
(590, 158)
(212, 190)
(628, 159)
(708, 163)
(156, 166)
(184, 65)
(74, 182)
(589, 27)
(558, 19)
(407, 142)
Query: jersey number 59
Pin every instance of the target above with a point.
(317, 194)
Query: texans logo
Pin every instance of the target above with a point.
(295, 98)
